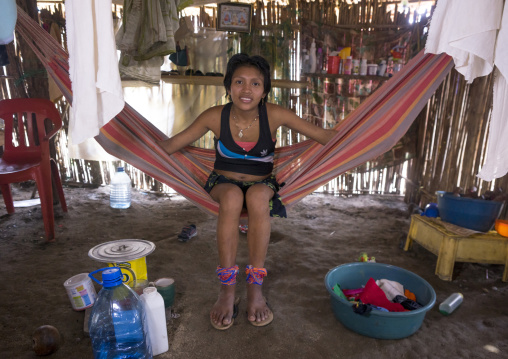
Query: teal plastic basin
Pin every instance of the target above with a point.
(378, 324)
(476, 214)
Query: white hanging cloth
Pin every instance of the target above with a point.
(475, 34)
(93, 67)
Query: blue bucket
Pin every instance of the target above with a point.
(476, 214)
(378, 324)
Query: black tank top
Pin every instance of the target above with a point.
(229, 156)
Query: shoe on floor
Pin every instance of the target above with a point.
(243, 228)
(187, 233)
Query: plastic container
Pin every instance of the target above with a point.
(117, 322)
(156, 320)
(128, 254)
(372, 69)
(476, 214)
(120, 196)
(431, 210)
(378, 324)
(333, 64)
(451, 303)
(81, 291)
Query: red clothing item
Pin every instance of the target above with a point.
(247, 146)
(374, 295)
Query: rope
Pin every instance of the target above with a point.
(28, 74)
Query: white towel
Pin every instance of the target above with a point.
(390, 288)
(496, 161)
(93, 67)
(466, 30)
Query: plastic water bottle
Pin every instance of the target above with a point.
(451, 303)
(156, 320)
(120, 196)
(117, 322)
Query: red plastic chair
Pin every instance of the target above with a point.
(29, 125)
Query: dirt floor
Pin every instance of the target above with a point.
(322, 232)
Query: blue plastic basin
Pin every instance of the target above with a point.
(476, 214)
(378, 324)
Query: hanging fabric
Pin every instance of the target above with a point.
(371, 130)
(93, 68)
(8, 17)
(477, 39)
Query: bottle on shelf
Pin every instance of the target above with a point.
(120, 196)
(356, 67)
(363, 67)
(382, 68)
(324, 68)
(451, 303)
(348, 64)
(312, 56)
(397, 66)
(305, 62)
(319, 61)
(389, 67)
(117, 323)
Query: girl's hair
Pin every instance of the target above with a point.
(240, 60)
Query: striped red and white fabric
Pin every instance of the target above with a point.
(371, 130)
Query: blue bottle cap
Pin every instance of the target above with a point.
(112, 277)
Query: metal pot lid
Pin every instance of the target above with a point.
(123, 250)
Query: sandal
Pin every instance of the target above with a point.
(235, 314)
(266, 321)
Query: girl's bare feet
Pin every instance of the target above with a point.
(258, 312)
(223, 311)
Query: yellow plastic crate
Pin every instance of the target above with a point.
(451, 247)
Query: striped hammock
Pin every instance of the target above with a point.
(371, 130)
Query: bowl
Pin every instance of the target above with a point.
(501, 227)
(379, 324)
(476, 214)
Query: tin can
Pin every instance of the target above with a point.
(80, 291)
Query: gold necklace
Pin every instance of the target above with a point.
(240, 134)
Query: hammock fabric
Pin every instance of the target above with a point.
(371, 130)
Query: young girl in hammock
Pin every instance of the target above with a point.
(245, 131)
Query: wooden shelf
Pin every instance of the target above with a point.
(219, 81)
(347, 77)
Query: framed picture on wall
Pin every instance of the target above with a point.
(234, 17)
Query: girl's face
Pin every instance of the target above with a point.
(247, 87)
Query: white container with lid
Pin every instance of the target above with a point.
(128, 254)
(156, 320)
